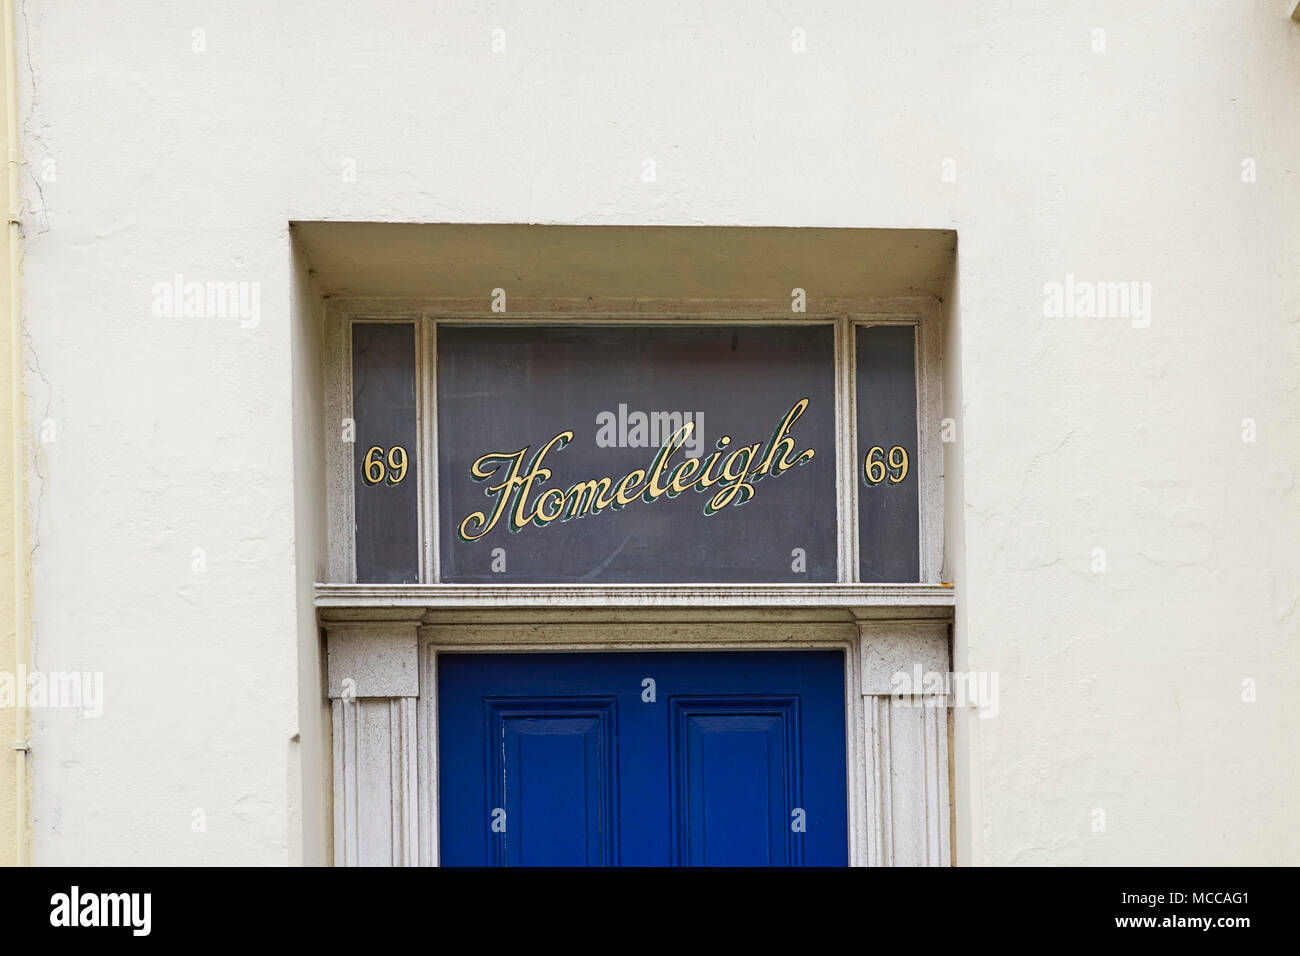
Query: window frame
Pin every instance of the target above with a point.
(341, 584)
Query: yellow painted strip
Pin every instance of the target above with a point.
(15, 653)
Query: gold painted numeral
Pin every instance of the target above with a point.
(881, 466)
(391, 468)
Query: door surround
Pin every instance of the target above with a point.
(382, 685)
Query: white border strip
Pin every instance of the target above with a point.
(633, 595)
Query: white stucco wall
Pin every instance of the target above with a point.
(1120, 691)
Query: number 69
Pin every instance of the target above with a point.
(880, 466)
(375, 470)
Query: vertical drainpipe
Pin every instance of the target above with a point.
(17, 459)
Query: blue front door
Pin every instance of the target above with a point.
(642, 759)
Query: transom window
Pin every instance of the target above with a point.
(620, 452)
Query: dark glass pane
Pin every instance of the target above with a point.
(385, 481)
(622, 393)
(889, 512)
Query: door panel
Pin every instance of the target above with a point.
(642, 759)
(551, 762)
(736, 782)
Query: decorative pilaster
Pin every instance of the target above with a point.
(373, 687)
(906, 738)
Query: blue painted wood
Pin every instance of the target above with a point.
(577, 765)
(550, 765)
(736, 781)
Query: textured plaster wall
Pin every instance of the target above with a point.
(1121, 690)
(310, 823)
